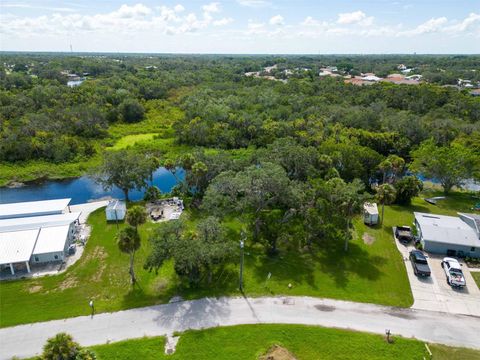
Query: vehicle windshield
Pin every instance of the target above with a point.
(456, 272)
(421, 261)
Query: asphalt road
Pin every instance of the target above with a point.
(435, 327)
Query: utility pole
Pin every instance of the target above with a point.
(242, 244)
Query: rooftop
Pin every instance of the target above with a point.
(17, 246)
(36, 222)
(446, 229)
(32, 208)
(51, 239)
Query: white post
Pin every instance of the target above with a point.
(11, 269)
(28, 266)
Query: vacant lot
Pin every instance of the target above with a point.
(371, 272)
(305, 342)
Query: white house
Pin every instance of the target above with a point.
(35, 239)
(449, 235)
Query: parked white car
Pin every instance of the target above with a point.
(454, 273)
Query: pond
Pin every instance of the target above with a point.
(82, 189)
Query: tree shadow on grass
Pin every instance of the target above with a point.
(338, 264)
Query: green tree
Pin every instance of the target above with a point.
(136, 216)
(61, 347)
(124, 169)
(131, 110)
(346, 200)
(251, 191)
(193, 253)
(407, 188)
(128, 241)
(450, 165)
(392, 166)
(385, 195)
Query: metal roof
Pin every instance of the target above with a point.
(17, 246)
(51, 239)
(371, 208)
(116, 204)
(33, 208)
(36, 222)
(446, 230)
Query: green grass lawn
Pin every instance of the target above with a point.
(372, 272)
(476, 277)
(305, 342)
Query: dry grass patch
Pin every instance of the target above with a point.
(277, 352)
(368, 239)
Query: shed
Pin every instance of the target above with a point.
(370, 213)
(116, 210)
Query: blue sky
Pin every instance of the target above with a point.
(242, 26)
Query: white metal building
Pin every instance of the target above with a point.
(33, 208)
(35, 238)
(449, 235)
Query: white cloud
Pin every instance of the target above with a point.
(178, 8)
(254, 3)
(213, 7)
(136, 10)
(223, 21)
(470, 23)
(430, 26)
(356, 17)
(127, 19)
(277, 20)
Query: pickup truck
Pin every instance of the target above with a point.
(419, 263)
(404, 234)
(454, 273)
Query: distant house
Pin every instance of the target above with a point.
(449, 235)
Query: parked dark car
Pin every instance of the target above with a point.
(419, 263)
(404, 234)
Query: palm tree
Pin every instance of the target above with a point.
(60, 347)
(128, 242)
(136, 216)
(385, 195)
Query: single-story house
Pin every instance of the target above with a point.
(449, 235)
(35, 239)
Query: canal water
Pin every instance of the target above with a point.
(82, 189)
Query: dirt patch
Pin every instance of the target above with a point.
(368, 239)
(277, 352)
(160, 285)
(327, 308)
(98, 275)
(34, 289)
(98, 252)
(69, 282)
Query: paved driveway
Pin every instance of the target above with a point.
(435, 294)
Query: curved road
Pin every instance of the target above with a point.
(435, 327)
